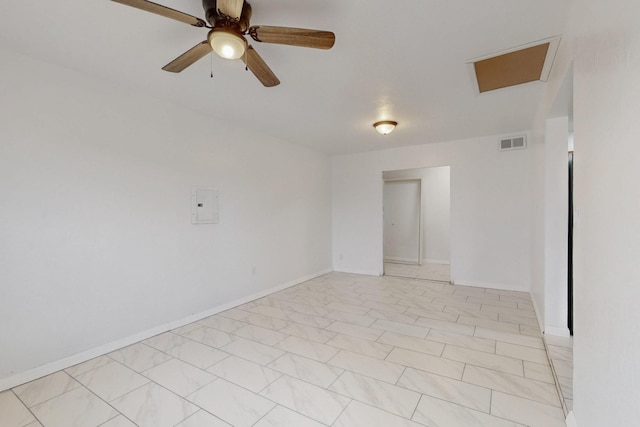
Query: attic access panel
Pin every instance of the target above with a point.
(513, 68)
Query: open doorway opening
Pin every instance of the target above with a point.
(416, 229)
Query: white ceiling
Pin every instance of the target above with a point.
(403, 60)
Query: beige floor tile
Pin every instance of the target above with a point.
(89, 365)
(355, 330)
(512, 384)
(486, 360)
(361, 346)
(400, 328)
(244, 373)
(534, 414)
(153, 406)
(306, 348)
(266, 321)
(260, 334)
(443, 325)
(462, 340)
(235, 314)
(489, 324)
(560, 353)
(533, 331)
(512, 338)
(306, 369)
(408, 319)
(563, 368)
(284, 417)
(13, 413)
(209, 336)
(78, 407)
(471, 313)
(354, 319)
(438, 413)
(139, 357)
(455, 391)
(522, 352)
(265, 310)
(310, 400)
(427, 362)
(35, 392)
(538, 372)
(222, 323)
(378, 306)
(412, 343)
(164, 342)
(254, 351)
(308, 319)
(179, 377)
(112, 380)
(361, 415)
(380, 369)
(348, 308)
(119, 421)
(203, 419)
(308, 332)
(397, 400)
(231, 403)
(437, 313)
(197, 354)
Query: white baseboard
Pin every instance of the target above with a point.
(50, 368)
(414, 261)
(571, 420)
(400, 259)
(559, 332)
(436, 261)
(354, 271)
(499, 286)
(538, 312)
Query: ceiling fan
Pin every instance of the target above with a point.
(229, 22)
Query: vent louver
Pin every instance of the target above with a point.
(514, 143)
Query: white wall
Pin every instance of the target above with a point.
(602, 42)
(96, 243)
(490, 208)
(436, 208)
(556, 216)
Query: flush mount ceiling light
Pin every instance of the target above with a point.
(385, 127)
(227, 43)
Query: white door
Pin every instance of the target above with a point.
(402, 206)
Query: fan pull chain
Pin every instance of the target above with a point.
(211, 56)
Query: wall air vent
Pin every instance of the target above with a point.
(513, 143)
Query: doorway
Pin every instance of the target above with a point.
(416, 225)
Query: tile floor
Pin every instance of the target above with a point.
(426, 271)
(561, 355)
(340, 350)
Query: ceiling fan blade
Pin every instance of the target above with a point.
(293, 36)
(189, 57)
(230, 8)
(163, 11)
(260, 68)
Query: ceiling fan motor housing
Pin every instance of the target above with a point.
(215, 18)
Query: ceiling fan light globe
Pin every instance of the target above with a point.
(227, 44)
